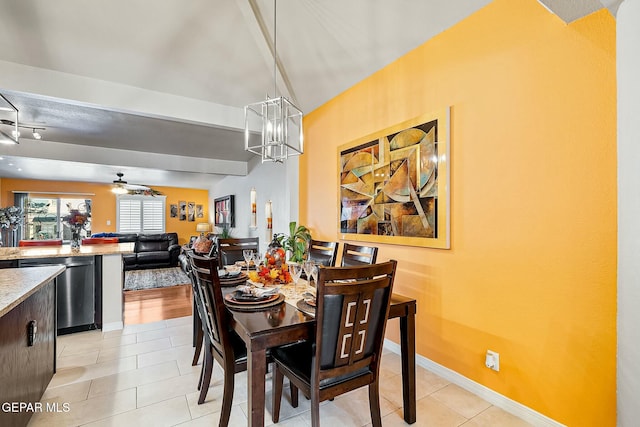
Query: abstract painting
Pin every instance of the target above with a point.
(394, 184)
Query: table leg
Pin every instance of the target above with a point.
(256, 370)
(408, 355)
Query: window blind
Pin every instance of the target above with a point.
(141, 214)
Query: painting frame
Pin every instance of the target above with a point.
(394, 184)
(173, 210)
(182, 210)
(191, 211)
(224, 214)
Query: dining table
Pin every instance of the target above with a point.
(266, 327)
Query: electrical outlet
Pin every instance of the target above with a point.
(492, 360)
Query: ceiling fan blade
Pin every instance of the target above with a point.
(136, 187)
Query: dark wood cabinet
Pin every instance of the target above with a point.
(26, 368)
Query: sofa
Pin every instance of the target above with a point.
(150, 250)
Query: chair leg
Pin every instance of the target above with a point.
(201, 376)
(206, 380)
(374, 404)
(196, 353)
(276, 394)
(227, 394)
(294, 394)
(315, 408)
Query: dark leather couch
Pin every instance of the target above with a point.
(150, 250)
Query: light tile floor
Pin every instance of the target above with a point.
(142, 376)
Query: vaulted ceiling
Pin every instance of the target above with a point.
(156, 89)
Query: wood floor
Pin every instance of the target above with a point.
(151, 305)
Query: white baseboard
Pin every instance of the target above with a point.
(493, 397)
(113, 326)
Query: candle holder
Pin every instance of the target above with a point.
(254, 216)
(268, 213)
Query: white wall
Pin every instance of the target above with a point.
(628, 65)
(277, 182)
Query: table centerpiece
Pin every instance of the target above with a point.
(76, 221)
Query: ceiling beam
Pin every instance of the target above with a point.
(48, 150)
(257, 27)
(85, 91)
(572, 10)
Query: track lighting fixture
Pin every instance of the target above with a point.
(15, 132)
(9, 117)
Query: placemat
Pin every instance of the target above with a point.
(253, 307)
(306, 308)
(249, 299)
(233, 281)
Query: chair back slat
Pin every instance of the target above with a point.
(354, 255)
(323, 253)
(230, 250)
(352, 308)
(209, 293)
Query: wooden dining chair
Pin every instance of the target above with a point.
(352, 307)
(220, 343)
(230, 250)
(323, 253)
(353, 255)
(198, 309)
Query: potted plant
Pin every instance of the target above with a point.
(225, 230)
(296, 242)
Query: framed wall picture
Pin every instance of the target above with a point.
(394, 184)
(224, 211)
(199, 211)
(191, 211)
(173, 211)
(182, 211)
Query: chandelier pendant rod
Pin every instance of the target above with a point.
(275, 50)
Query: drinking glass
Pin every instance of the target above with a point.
(248, 256)
(296, 272)
(308, 268)
(314, 274)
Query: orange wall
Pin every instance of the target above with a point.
(104, 202)
(531, 272)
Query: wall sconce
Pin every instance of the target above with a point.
(254, 216)
(268, 213)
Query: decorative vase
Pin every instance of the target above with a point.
(275, 255)
(75, 238)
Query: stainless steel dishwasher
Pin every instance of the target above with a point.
(76, 291)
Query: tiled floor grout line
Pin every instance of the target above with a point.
(181, 364)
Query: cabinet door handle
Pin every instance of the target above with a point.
(32, 332)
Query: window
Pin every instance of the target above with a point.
(140, 214)
(43, 217)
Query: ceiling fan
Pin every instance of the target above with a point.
(121, 187)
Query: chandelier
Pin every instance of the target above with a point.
(278, 119)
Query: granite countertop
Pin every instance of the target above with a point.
(65, 250)
(18, 284)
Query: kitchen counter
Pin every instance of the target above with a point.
(109, 271)
(27, 338)
(18, 284)
(65, 250)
